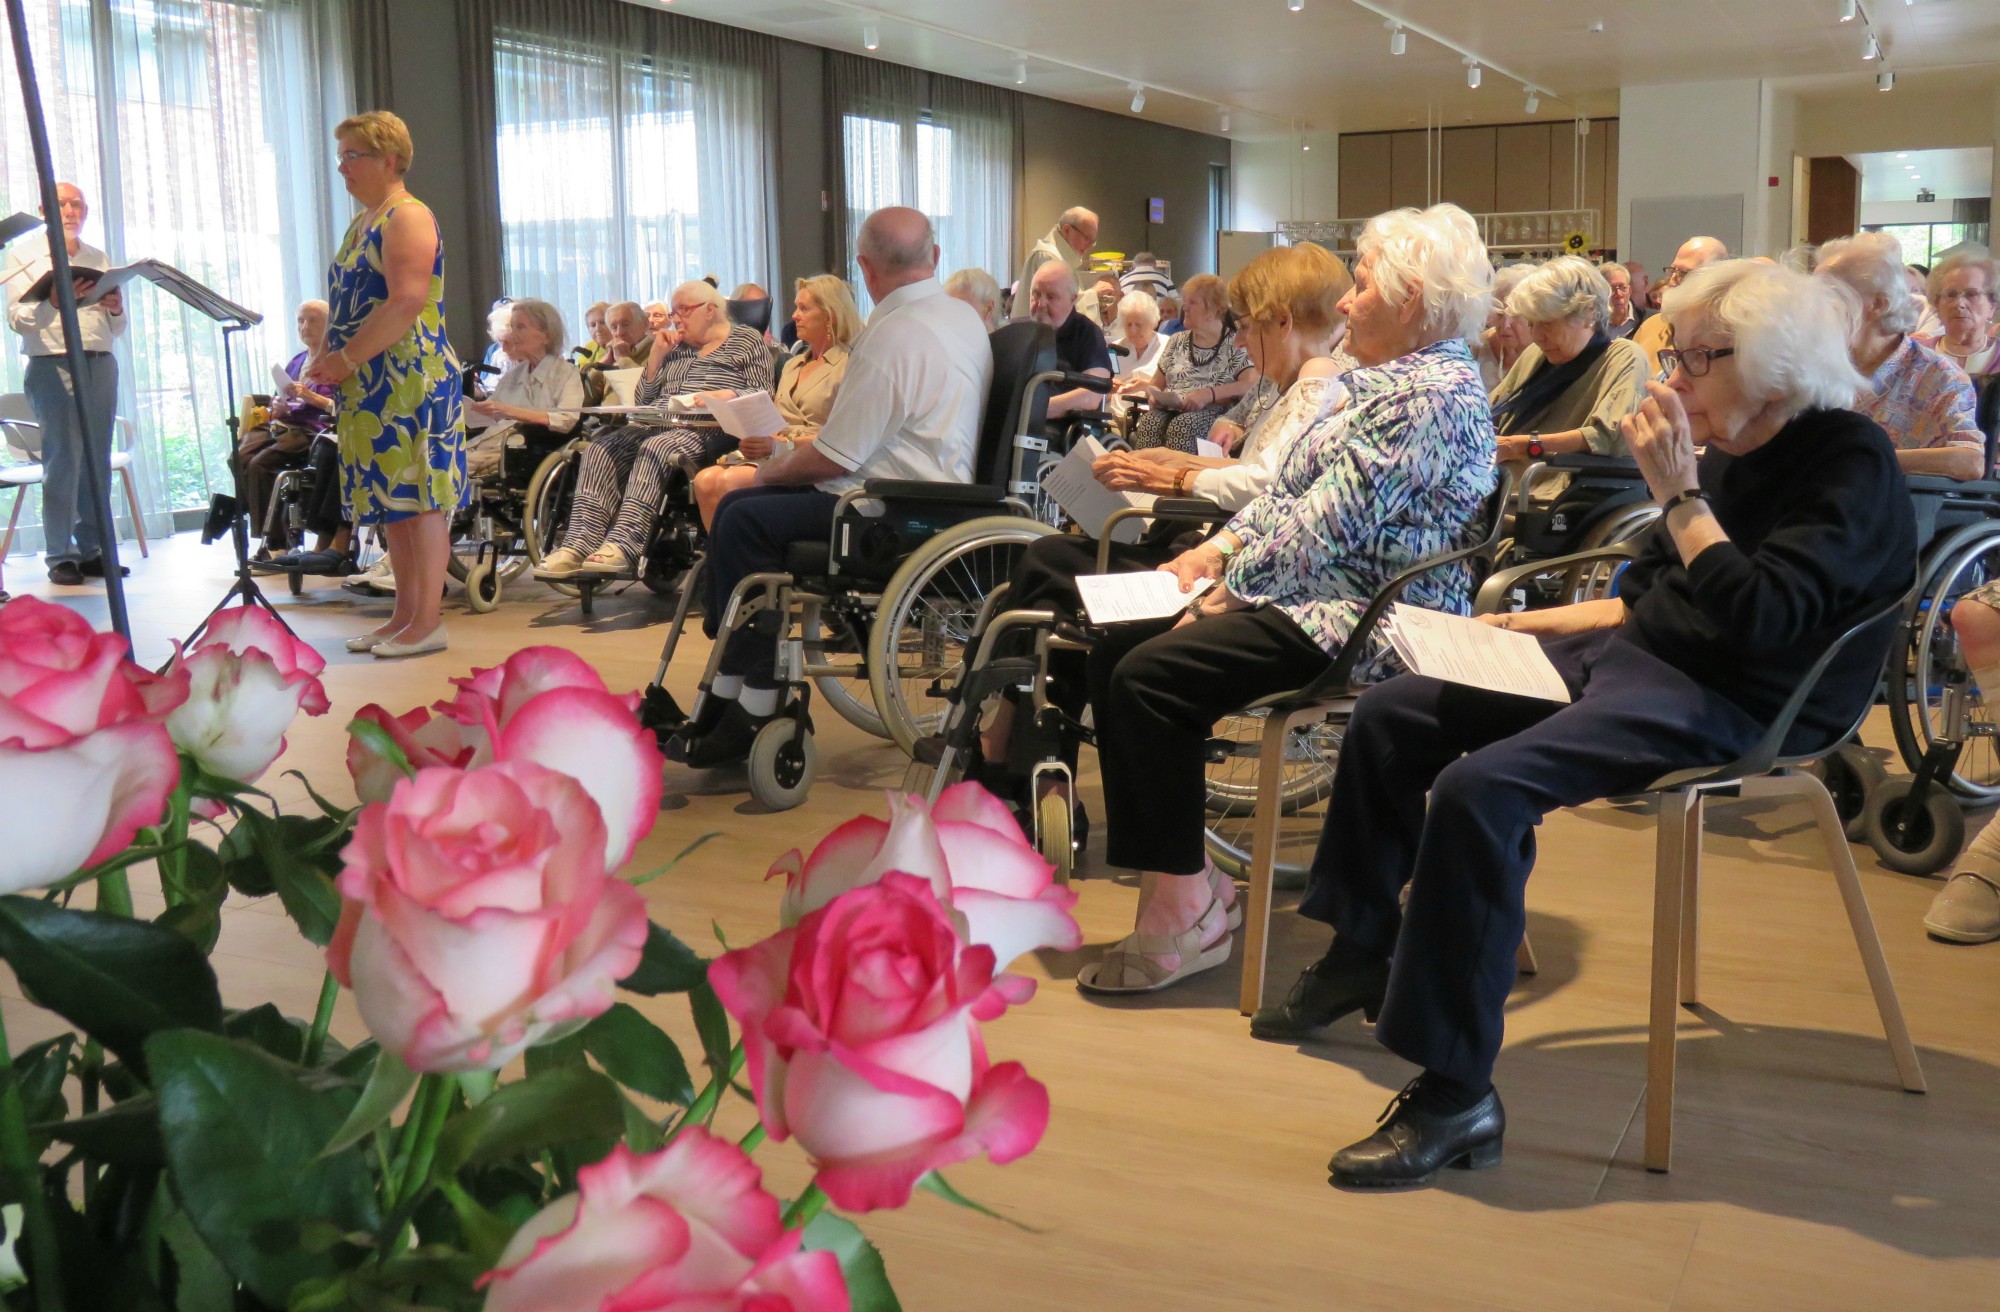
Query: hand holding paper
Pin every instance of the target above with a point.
(1461, 650)
(1145, 595)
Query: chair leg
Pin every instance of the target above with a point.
(1263, 857)
(132, 501)
(1833, 833)
(7, 546)
(1524, 957)
(1669, 906)
(1690, 901)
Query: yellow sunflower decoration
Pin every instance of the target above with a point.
(1576, 242)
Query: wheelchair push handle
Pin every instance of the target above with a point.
(1066, 380)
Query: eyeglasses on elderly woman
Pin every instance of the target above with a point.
(1694, 359)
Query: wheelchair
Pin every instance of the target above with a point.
(1569, 504)
(1235, 780)
(890, 599)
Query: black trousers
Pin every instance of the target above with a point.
(752, 528)
(1492, 766)
(1156, 692)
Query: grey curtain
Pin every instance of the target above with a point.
(368, 44)
(483, 237)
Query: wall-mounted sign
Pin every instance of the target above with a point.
(1156, 210)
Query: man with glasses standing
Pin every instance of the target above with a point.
(69, 524)
(1070, 240)
(1693, 254)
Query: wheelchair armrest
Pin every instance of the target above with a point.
(1498, 584)
(914, 490)
(1089, 382)
(1188, 508)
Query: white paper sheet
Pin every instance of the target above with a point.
(753, 414)
(1204, 447)
(280, 380)
(1143, 595)
(1088, 501)
(1461, 650)
(622, 384)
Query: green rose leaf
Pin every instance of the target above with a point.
(118, 980)
(126, 1133)
(639, 1055)
(667, 966)
(388, 1084)
(243, 1137)
(868, 1287)
(558, 1106)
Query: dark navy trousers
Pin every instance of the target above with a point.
(1441, 786)
(752, 528)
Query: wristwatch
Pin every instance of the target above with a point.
(1681, 498)
(1535, 448)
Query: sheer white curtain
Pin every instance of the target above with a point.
(942, 145)
(635, 152)
(200, 131)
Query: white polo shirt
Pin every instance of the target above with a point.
(40, 322)
(915, 392)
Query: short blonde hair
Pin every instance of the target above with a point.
(833, 296)
(1207, 289)
(1307, 281)
(383, 133)
(980, 290)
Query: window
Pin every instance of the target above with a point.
(1924, 242)
(876, 165)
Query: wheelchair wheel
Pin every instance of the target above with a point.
(482, 588)
(1852, 775)
(926, 615)
(545, 508)
(1231, 786)
(1913, 840)
(1594, 582)
(782, 764)
(1054, 837)
(827, 640)
(1926, 655)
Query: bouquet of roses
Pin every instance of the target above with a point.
(515, 1135)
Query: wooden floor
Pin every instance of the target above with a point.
(1183, 1168)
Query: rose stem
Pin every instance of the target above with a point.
(329, 991)
(804, 1208)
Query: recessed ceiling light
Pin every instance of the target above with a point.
(1916, 177)
(871, 38)
(1902, 154)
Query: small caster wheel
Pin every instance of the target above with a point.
(1053, 836)
(1931, 836)
(1852, 774)
(296, 581)
(782, 763)
(482, 588)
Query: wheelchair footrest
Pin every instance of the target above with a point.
(659, 712)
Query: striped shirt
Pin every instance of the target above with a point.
(741, 364)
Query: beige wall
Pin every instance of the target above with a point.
(1114, 164)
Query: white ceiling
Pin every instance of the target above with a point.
(1330, 63)
(1952, 174)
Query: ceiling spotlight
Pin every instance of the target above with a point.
(1849, 10)
(1306, 146)
(1295, 5)
(1225, 120)
(1873, 50)
(871, 36)
(1399, 40)
(1473, 74)
(1534, 101)
(1138, 98)
(1020, 72)
(1916, 177)
(1885, 81)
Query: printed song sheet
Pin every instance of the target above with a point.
(1088, 501)
(1144, 595)
(1461, 650)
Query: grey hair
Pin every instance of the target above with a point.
(1790, 329)
(314, 304)
(1871, 263)
(546, 317)
(1567, 287)
(980, 290)
(892, 256)
(1075, 215)
(1801, 259)
(1506, 278)
(638, 310)
(702, 293)
(1141, 304)
(1436, 254)
(1969, 256)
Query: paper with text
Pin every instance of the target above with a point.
(1204, 447)
(1145, 595)
(280, 380)
(754, 414)
(622, 384)
(1461, 650)
(1088, 501)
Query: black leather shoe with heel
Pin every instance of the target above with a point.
(1415, 1143)
(1325, 991)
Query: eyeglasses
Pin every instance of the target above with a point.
(1694, 359)
(1965, 294)
(349, 156)
(1674, 273)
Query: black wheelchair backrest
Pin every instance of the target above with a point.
(1987, 413)
(1020, 351)
(752, 314)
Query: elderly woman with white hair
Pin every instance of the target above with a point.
(1499, 344)
(981, 291)
(1924, 400)
(298, 414)
(1398, 475)
(1961, 288)
(1793, 525)
(537, 386)
(1574, 382)
(698, 351)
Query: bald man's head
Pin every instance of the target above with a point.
(625, 323)
(1078, 227)
(1694, 252)
(896, 247)
(1052, 294)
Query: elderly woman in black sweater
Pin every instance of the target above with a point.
(1793, 525)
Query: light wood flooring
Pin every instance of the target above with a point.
(1183, 1167)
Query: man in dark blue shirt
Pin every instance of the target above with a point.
(1080, 347)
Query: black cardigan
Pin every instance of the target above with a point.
(1820, 533)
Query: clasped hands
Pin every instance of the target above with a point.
(1156, 469)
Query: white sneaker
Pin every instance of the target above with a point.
(375, 581)
(560, 563)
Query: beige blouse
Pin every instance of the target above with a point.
(805, 397)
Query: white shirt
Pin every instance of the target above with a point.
(1265, 442)
(551, 383)
(1050, 247)
(915, 391)
(40, 322)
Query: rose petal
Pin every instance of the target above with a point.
(595, 739)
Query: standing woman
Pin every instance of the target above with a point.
(402, 434)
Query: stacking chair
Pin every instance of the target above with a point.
(24, 440)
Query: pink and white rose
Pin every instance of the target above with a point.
(686, 1229)
(971, 851)
(248, 679)
(861, 1039)
(544, 705)
(478, 919)
(85, 758)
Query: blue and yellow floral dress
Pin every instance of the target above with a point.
(401, 424)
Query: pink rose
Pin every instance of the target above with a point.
(968, 847)
(85, 760)
(689, 1227)
(478, 919)
(248, 678)
(544, 705)
(860, 1038)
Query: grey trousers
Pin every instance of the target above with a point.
(68, 520)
